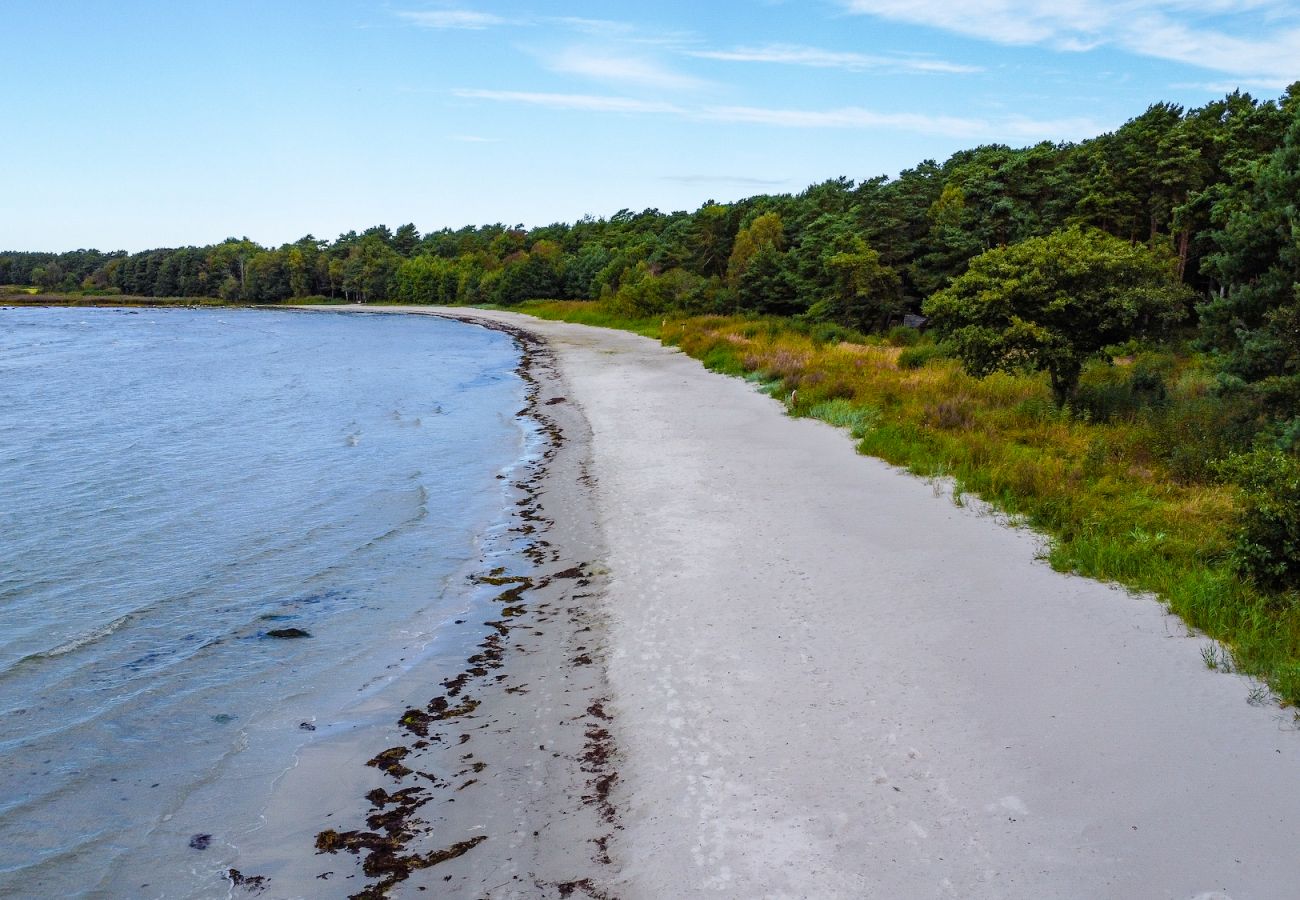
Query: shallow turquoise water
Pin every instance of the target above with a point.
(173, 486)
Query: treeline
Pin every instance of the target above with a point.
(1210, 192)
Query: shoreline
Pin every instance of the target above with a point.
(489, 784)
(828, 679)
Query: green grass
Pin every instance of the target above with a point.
(1118, 498)
(587, 312)
(859, 420)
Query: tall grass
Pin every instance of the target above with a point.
(1122, 487)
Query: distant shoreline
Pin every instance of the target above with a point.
(109, 300)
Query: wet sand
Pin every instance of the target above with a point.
(826, 679)
(481, 775)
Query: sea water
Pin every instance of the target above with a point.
(176, 488)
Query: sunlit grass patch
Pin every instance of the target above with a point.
(842, 413)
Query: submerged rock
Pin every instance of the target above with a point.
(288, 633)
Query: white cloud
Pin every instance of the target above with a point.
(845, 117)
(581, 102)
(620, 68)
(816, 57)
(464, 19)
(604, 29)
(474, 139)
(625, 32)
(1013, 129)
(1210, 34)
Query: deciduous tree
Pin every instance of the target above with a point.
(1051, 303)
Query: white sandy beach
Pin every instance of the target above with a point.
(828, 680)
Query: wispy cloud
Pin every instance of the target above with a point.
(818, 58)
(580, 102)
(626, 32)
(462, 19)
(1195, 32)
(620, 69)
(474, 139)
(845, 117)
(604, 29)
(851, 117)
(620, 53)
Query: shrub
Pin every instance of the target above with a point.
(1195, 434)
(830, 333)
(1148, 377)
(1267, 549)
(950, 413)
(917, 356)
(1104, 393)
(903, 336)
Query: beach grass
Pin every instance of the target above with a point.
(1127, 497)
(585, 312)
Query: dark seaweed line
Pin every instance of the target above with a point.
(392, 821)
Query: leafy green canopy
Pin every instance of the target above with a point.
(1052, 302)
(1254, 322)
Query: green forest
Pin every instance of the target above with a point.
(1102, 337)
(1207, 195)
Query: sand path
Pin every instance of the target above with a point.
(830, 681)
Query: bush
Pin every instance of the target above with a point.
(917, 356)
(903, 336)
(1267, 549)
(1104, 393)
(830, 333)
(1193, 435)
(1107, 392)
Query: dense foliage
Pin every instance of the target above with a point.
(1051, 303)
(1267, 550)
(1205, 196)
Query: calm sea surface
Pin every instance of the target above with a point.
(174, 485)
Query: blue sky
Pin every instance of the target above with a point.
(141, 124)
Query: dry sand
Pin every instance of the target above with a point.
(829, 680)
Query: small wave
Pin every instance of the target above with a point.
(81, 640)
(416, 513)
